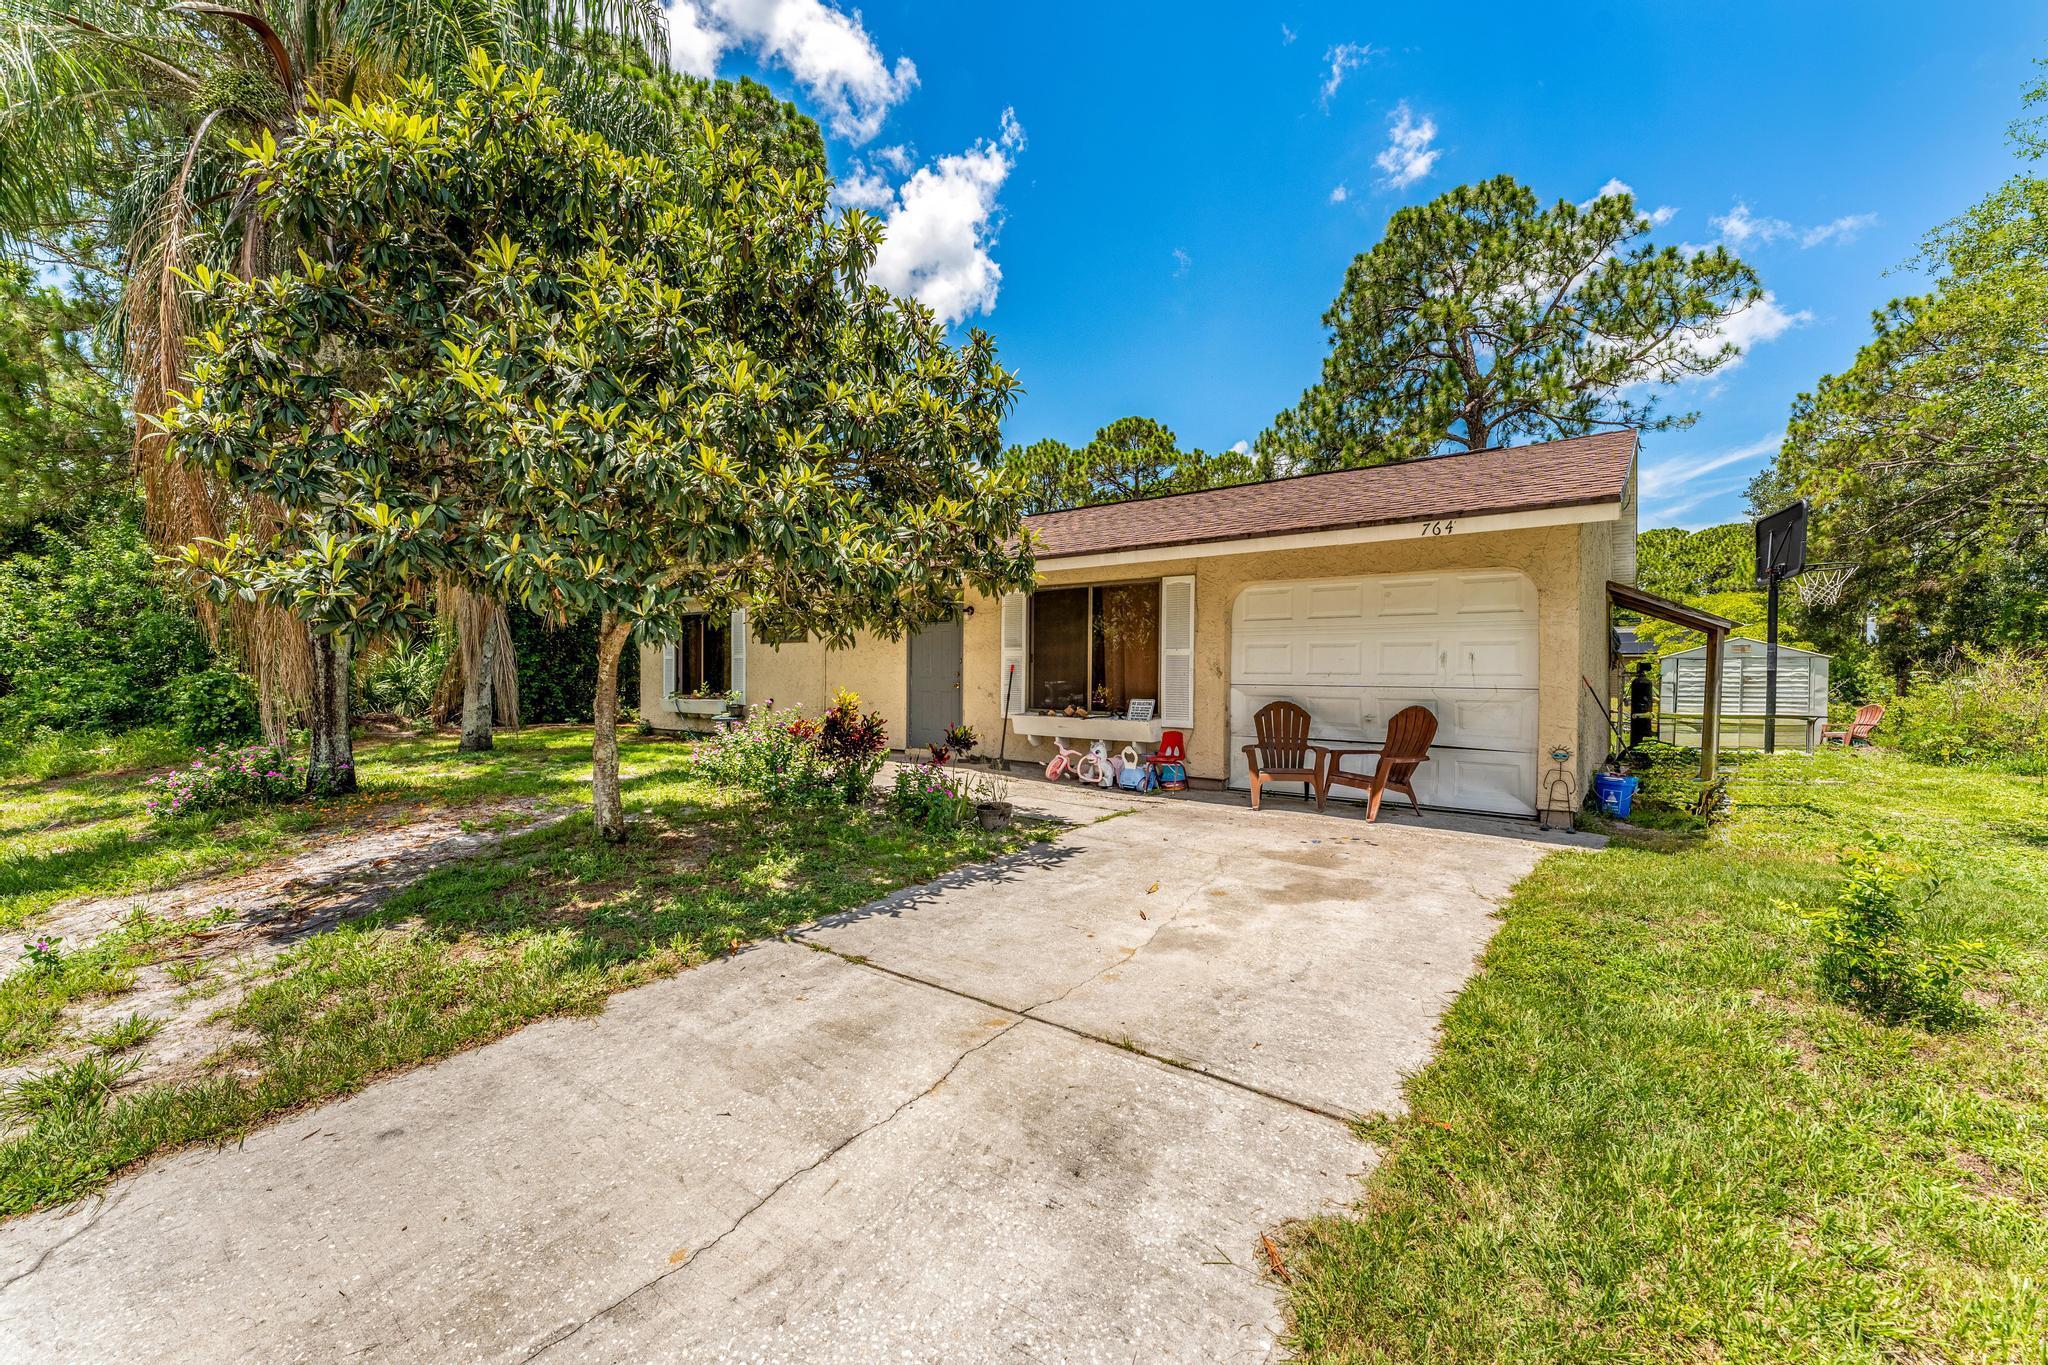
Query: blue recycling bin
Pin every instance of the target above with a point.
(1615, 794)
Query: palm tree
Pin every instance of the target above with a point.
(119, 121)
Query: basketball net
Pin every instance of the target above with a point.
(1822, 585)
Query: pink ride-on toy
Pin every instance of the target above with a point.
(1064, 763)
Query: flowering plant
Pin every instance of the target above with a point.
(42, 953)
(255, 774)
(794, 759)
(926, 794)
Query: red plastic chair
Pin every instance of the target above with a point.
(1172, 749)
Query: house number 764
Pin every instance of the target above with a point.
(1437, 528)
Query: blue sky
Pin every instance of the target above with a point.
(1142, 203)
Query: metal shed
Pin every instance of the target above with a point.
(1802, 695)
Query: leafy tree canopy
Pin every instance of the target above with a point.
(1680, 564)
(1484, 318)
(63, 432)
(1926, 461)
(607, 384)
(1132, 457)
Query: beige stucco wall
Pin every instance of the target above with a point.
(1569, 566)
(805, 675)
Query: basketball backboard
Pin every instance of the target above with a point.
(1781, 544)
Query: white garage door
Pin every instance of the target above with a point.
(1356, 650)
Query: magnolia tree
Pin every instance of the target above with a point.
(599, 383)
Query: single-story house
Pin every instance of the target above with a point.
(1476, 584)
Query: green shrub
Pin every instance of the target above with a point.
(45, 754)
(930, 797)
(796, 761)
(215, 706)
(1870, 959)
(90, 638)
(1993, 710)
(558, 669)
(401, 678)
(255, 775)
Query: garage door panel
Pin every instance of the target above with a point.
(1356, 651)
(1346, 715)
(1405, 659)
(1395, 598)
(1335, 660)
(1334, 602)
(1269, 658)
(1274, 603)
(1494, 595)
(1500, 657)
(1507, 722)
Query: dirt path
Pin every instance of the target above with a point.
(244, 922)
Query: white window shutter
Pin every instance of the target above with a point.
(1014, 682)
(737, 652)
(668, 675)
(1177, 650)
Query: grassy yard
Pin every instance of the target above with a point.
(553, 923)
(1648, 1137)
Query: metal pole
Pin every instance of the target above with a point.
(1771, 668)
(1710, 719)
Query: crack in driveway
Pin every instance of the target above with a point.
(696, 1256)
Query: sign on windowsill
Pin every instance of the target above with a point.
(1141, 708)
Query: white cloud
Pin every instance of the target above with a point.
(695, 41)
(1287, 35)
(1843, 229)
(1666, 479)
(1408, 156)
(826, 49)
(941, 225)
(863, 187)
(1658, 216)
(899, 158)
(1344, 59)
(1181, 262)
(1241, 448)
(1739, 227)
(1747, 328)
(1340, 194)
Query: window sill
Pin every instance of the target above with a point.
(1091, 727)
(699, 706)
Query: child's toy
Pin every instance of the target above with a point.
(1170, 762)
(1132, 773)
(1063, 763)
(1094, 766)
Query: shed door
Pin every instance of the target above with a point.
(1356, 650)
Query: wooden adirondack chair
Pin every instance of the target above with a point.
(1409, 735)
(1859, 729)
(1283, 753)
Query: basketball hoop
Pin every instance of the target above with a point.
(1822, 585)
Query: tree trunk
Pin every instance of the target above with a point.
(607, 811)
(330, 762)
(479, 699)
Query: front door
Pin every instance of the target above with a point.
(934, 684)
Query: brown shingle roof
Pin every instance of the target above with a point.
(1569, 473)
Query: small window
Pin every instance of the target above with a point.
(1094, 647)
(704, 656)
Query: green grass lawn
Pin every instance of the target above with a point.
(1648, 1137)
(551, 924)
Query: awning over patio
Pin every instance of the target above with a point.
(1715, 628)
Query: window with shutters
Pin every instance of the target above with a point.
(1095, 647)
(703, 656)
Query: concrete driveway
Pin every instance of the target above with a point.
(1037, 1111)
